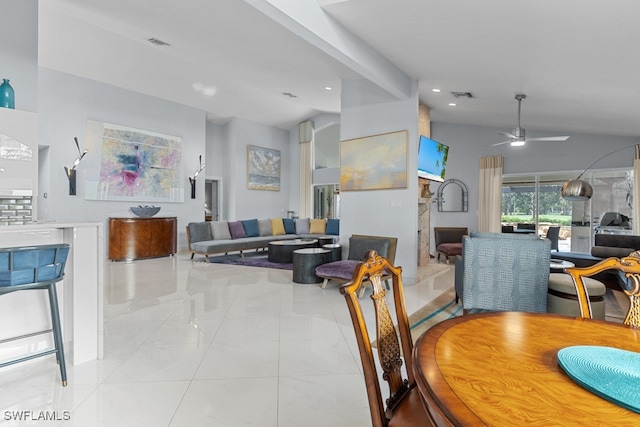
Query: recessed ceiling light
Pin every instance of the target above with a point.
(435, 90)
(205, 90)
(328, 88)
(452, 104)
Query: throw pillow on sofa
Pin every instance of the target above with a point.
(264, 227)
(237, 230)
(333, 227)
(220, 230)
(251, 228)
(199, 231)
(277, 226)
(317, 226)
(302, 225)
(289, 225)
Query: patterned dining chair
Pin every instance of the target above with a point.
(629, 272)
(404, 406)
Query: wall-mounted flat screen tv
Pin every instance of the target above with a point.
(432, 159)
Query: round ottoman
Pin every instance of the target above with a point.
(305, 262)
(336, 251)
(562, 299)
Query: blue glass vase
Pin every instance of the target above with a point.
(7, 96)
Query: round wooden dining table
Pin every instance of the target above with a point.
(501, 369)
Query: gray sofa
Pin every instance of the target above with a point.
(214, 237)
(606, 245)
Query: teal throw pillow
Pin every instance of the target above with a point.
(251, 228)
(289, 225)
(333, 227)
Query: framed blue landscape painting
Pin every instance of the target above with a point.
(263, 168)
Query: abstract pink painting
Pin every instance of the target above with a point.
(135, 165)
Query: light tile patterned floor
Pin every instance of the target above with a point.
(198, 344)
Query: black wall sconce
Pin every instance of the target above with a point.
(192, 180)
(71, 173)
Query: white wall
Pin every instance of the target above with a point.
(367, 111)
(244, 203)
(66, 102)
(19, 50)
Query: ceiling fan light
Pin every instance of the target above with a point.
(517, 143)
(576, 190)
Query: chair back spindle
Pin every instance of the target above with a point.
(394, 344)
(629, 268)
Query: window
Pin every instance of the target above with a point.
(612, 192)
(534, 203)
(326, 173)
(535, 199)
(326, 146)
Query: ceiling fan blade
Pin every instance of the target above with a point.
(549, 138)
(508, 135)
(502, 143)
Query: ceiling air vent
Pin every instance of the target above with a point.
(462, 94)
(157, 42)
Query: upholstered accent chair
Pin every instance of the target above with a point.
(342, 271)
(448, 241)
(504, 272)
(403, 407)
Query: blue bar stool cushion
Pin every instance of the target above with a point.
(36, 267)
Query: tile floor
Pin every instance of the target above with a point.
(198, 344)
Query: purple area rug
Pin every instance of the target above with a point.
(250, 261)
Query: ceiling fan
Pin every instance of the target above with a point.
(517, 138)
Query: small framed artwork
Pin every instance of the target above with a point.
(263, 168)
(377, 162)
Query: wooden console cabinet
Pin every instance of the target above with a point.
(137, 238)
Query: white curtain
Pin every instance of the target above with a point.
(636, 191)
(305, 180)
(490, 194)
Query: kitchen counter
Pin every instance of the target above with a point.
(80, 293)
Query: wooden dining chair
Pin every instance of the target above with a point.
(629, 268)
(404, 406)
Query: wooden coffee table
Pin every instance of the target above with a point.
(281, 251)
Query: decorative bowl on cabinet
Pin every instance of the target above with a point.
(145, 211)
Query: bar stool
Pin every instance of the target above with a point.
(36, 267)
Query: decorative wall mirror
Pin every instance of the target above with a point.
(452, 196)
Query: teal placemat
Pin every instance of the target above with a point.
(611, 373)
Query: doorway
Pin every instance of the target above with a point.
(212, 197)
